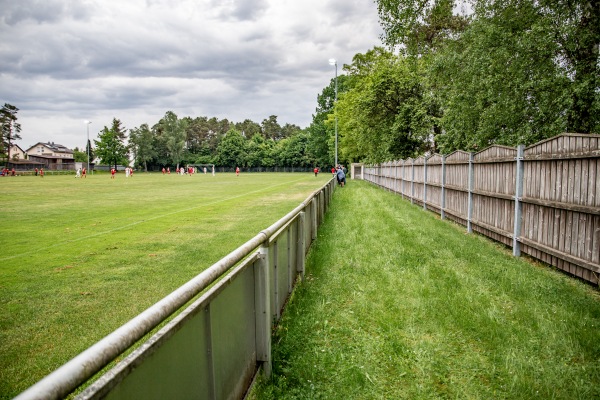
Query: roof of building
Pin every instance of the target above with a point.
(59, 148)
(16, 145)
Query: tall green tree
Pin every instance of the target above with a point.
(512, 72)
(248, 128)
(572, 32)
(79, 156)
(257, 151)
(89, 150)
(142, 144)
(232, 150)
(174, 131)
(498, 88)
(419, 26)
(271, 128)
(10, 127)
(387, 112)
(110, 146)
(320, 146)
(291, 151)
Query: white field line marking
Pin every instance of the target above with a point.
(79, 239)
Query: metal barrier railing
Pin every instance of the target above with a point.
(215, 346)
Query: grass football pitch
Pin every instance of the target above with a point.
(80, 257)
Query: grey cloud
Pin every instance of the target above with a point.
(41, 11)
(247, 10)
(344, 11)
(241, 10)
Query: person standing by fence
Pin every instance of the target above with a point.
(341, 176)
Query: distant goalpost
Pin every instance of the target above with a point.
(210, 168)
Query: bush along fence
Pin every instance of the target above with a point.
(215, 346)
(542, 200)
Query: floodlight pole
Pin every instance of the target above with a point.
(87, 123)
(332, 61)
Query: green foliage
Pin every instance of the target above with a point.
(292, 151)
(174, 134)
(386, 113)
(495, 91)
(259, 152)
(419, 26)
(140, 141)
(10, 128)
(512, 72)
(320, 146)
(203, 134)
(79, 156)
(271, 128)
(111, 147)
(174, 141)
(249, 128)
(232, 150)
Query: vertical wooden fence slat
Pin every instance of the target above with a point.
(412, 182)
(403, 177)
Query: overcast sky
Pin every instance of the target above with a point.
(63, 62)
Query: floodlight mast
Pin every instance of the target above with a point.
(332, 61)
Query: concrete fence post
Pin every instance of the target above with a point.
(300, 253)
(313, 212)
(263, 315)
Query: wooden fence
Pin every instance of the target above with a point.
(542, 200)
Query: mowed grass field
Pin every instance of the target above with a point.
(80, 257)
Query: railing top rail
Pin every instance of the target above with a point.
(79, 369)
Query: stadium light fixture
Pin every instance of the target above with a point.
(332, 62)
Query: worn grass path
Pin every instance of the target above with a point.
(80, 257)
(398, 304)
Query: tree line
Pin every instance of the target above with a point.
(503, 72)
(175, 141)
